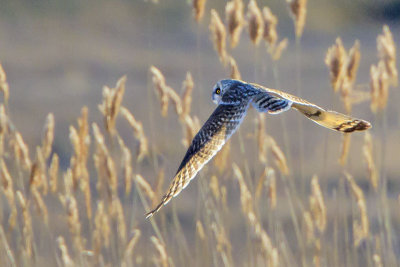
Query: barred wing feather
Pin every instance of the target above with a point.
(327, 118)
(222, 123)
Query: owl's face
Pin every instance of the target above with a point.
(231, 92)
(217, 93)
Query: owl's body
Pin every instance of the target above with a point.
(233, 98)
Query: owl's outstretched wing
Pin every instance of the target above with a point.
(222, 123)
(275, 101)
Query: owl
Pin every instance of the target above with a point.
(233, 98)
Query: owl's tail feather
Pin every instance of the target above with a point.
(331, 119)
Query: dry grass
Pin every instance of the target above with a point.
(92, 212)
(298, 12)
(255, 22)
(235, 20)
(218, 35)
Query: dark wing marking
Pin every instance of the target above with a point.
(327, 118)
(222, 123)
(265, 102)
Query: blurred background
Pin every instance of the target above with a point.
(58, 55)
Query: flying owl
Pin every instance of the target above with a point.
(233, 98)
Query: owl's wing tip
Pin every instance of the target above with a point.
(152, 212)
(367, 125)
(354, 125)
(361, 125)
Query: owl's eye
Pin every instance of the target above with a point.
(218, 91)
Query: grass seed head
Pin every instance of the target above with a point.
(81, 140)
(27, 230)
(48, 138)
(278, 50)
(3, 128)
(261, 183)
(112, 98)
(68, 182)
(377, 260)
(38, 172)
(298, 12)
(8, 190)
(160, 247)
(335, 60)
(159, 186)
(4, 85)
(273, 259)
(21, 152)
(267, 179)
(198, 9)
(200, 230)
(379, 83)
(3, 121)
(176, 100)
(104, 164)
(224, 197)
(317, 205)
(138, 132)
(145, 186)
(191, 127)
(369, 158)
(245, 196)
(270, 21)
(261, 138)
(271, 183)
(130, 246)
(53, 173)
(214, 186)
(218, 35)
(161, 89)
(40, 205)
(235, 20)
(111, 174)
(353, 62)
(117, 213)
(2, 137)
(255, 22)
(280, 159)
(309, 227)
(101, 233)
(349, 76)
(223, 243)
(74, 225)
(65, 257)
(101, 150)
(187, 85)
(127, 166)
(234, 69)
(387, 53)
(361, 229)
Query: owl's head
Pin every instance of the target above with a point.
(231, 92)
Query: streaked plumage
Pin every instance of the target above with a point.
(233, 98)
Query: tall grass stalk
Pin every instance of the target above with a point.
(300, 121)
(291, 193)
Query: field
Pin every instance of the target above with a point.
(99, 102)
